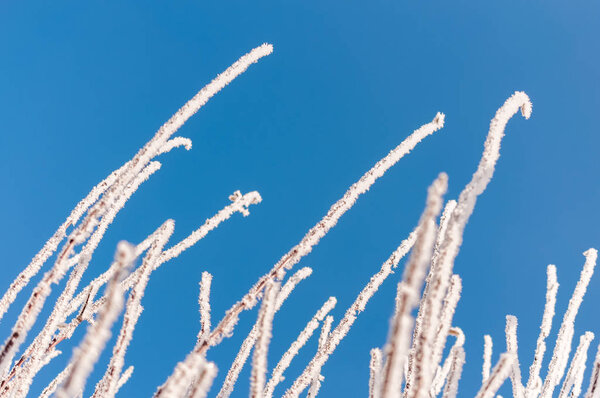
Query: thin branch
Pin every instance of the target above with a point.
(375, 372)
(487, 358)
(337, 335)
(124, 377)
(303, 337)
(450, 364)
(574, 376)
(57, 381)
(107, 386)
(458, 360)
(204, 380)
(265, 326)
(88, 352)
(194, 369)
(315, 385)
(240, 203)
(560, 356)
(409, 290)
(512, 347)
(314, 235)
(534, 383)
(593, 390)
(52, 244)
(447, 315)
(24, 375)
(244, 352)
(204, 304)
(499, 374)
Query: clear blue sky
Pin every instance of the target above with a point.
(84, 84)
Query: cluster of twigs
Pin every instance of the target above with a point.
(411, 364)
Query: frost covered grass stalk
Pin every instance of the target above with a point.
(409, 289)
(452, 369)
(534, 383)
(204, 304)
(107, 386)
(88, 352)
(244, 352)
(316, 233)
(375, 372)
(315, 386)
(410, 365)
(102, 204)
(305, 334)
(265, 325)
(487, 358)
(343, 327)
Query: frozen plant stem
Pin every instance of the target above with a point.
(534, 382)
(402, 369)
(487, 357)
(409, 290)
(265, 326)
(108, 385)
(315, 385)
(497, 377)
(317, 232)
(340, 331)
(244, 352)
(303, 337)
(558, 363)
(204, 304)
(112, 192)
(88, 352)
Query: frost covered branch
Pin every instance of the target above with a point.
(412, 363)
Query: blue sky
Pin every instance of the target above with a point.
(84, 84)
